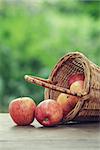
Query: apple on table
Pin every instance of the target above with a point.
(22, 110)
(48, 113)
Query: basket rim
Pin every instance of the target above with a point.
(86, 66)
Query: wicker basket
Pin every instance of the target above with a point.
(88, 106)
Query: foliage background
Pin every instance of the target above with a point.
(34, 34)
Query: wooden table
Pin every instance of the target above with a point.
(35, 137)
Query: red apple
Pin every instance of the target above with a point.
(22, 110)
(67, 102)
(75, 77)
(49, 113)
(77, 87)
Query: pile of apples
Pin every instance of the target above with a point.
(49, 112)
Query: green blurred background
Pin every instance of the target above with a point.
(34, 34)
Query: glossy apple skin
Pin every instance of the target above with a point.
(75, 77)
(67, 102)
(49, 113)
(22, 110)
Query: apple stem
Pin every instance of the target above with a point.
(46, 119)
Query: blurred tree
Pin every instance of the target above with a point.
(34, 35)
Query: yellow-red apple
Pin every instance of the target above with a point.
(77, 87)
(67, 102)
(75, 77)
(48, 113)
(22, 110)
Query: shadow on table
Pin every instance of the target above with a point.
(36, 125)
(17, 127)
(73, 124)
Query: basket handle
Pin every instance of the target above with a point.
(49, 84)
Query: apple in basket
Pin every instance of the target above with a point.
(76, 82)
(48, 113)
(22, 110)
(75, 77)
(67, 102)
(77, 87)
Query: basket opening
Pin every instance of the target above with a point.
(65, 68)
(72, 66)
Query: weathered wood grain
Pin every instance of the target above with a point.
(35, 137)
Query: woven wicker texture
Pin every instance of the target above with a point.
(88, 107)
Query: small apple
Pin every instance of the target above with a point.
(75, 77)
(67, 102)
(22, 110)
(48, 113)
(77, 87)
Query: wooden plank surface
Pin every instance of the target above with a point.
(35, 137)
